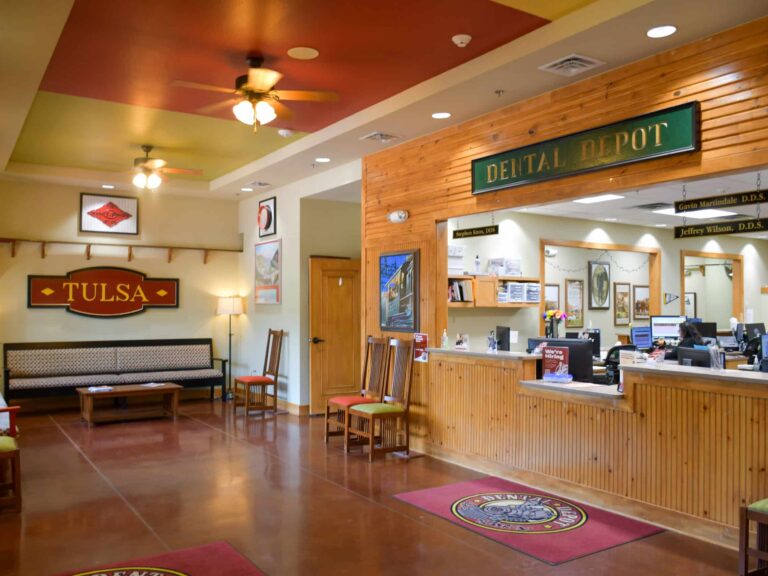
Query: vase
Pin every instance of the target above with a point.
(552, 328)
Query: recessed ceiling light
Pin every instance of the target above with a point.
(661, 31)
(108, 186)
(611, 219)
(696, 214)
(441, 115)
(596, 199)
(246, 189)
(303, 53)
(322, 160)
(660, 225)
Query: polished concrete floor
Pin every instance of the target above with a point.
(276, 492)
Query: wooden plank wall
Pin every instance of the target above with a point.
(700, 451)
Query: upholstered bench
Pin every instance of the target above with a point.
(46, 368)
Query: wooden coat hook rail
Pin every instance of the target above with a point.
(44, 244)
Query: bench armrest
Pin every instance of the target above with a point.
(222, 360)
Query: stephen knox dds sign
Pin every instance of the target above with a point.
(102, 292)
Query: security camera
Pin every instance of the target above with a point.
(461, 40)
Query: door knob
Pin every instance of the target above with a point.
(316, 340)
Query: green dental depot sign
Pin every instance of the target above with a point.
(663, 133)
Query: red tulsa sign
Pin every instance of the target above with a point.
(103, 292)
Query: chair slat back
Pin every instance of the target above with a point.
(401, 369)
(375, 367)
(272, 357)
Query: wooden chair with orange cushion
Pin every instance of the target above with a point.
(253, 392)
(373, 381)
(10, 463)
(756, 512)
(385, 424)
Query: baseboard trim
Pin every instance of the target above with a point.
(711, 532)
(295, 409)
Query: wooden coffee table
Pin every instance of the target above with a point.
(168, 391)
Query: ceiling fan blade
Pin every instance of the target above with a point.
(262, 79)
(153, 163)
(198, 86)
(282, 111)
(306, 95)
(218, 106)
(187, 171)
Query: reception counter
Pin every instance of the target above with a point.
(689, 440)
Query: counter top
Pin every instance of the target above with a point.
(581, 388)
(476, 354)
(741, 376)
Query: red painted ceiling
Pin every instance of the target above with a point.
(130, 51)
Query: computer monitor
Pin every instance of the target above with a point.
(693, 357)
(707, 329)
(754, 330)
(594, 335)
(666, 327)
(641, 337)
(728, 343)
(502, 338)
(579, 355)
(571, 334)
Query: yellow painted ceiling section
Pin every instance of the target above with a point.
(77, 132)
(549, 9)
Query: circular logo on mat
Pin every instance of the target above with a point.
(519, 513)
(133, 571)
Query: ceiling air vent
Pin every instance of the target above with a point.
(380, 137)
(571, 65)
(652, 207)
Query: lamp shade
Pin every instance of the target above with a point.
(230, 305)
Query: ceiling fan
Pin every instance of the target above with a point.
(150, 172)
(256, 102)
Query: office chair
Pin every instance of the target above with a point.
(611, 376)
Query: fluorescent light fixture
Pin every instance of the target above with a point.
(661, 31)
(108, 186)
(246, 189)
(611, 219)
(322, 160)
(696, 214)
(596, 199)
(441, 115)
(660, 225)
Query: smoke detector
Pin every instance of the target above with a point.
(571, 65)
(461, 40)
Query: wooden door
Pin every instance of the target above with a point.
(334, 329)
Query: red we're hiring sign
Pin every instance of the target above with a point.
(554, 360)
(102, 292)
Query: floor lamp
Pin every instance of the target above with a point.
(231, 306)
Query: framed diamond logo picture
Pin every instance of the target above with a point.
(109, 214)
(267, 217)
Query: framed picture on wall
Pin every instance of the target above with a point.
(267, 278)
(690, 304)
(399, 291)
(622, 304)
(551, 296)
(574, 303)
(109, 214)
(641, 302)
(267, 217)
(599, 285)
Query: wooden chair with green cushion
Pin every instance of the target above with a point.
(756, 512)
(10, 464)
(254, 391)
(385, 424)
(373, 380)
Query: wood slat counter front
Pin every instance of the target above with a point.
(687, 440)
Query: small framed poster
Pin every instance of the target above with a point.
(641, 302)
(399, 291)
(266, 287)
(690, 304)
(267, 217)
(552, 297)
(599, 285)
(574, 303)
(109, 214)
(622, 304)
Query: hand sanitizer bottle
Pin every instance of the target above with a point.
(444, 340)
(477, 264)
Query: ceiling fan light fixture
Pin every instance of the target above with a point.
(140, 180)
(247, 112)
(154, 181)
(244, 112)
(264, 112)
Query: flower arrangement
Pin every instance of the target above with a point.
(555, 314)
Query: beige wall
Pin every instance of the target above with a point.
(519, 237)
(47, 212)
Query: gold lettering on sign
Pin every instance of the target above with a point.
(122, 292)
(587, 150)
(504, 169)
(70, 287)
(492, 172)
(140, 293)
(641, 142)
(543, 163)
(622, 139)
(556, 157)
(657, 131)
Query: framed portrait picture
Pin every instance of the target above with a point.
(399, 291)
(551, 296)
(574, 303)
(599, 285)
(641, 302)
(267, 277)
(690, 304)
(108, 214)
(267, 217)
(622, 304)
